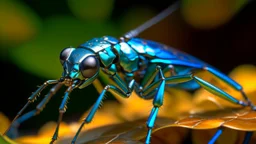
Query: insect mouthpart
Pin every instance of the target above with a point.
(69, 81)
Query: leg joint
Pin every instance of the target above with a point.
(158, 67)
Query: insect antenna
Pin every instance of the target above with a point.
(152, 21)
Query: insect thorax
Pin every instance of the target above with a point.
(111, 51)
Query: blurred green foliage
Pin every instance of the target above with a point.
(18, 24)
(93, 10)
(4, 141)
(39, 53)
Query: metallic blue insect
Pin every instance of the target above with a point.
(148, 68)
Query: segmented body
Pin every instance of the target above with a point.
(148, 68)
(137, 56)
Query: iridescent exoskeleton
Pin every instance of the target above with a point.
(148, 68)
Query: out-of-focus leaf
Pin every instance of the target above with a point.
(45, 133)
(6, 140)
(4, 123)
(228, 136)
(165, 131)
(169, 135)
(130, 131)
(211, 13)
(90, 9)
(241, 119)
(18, 23)
(41, 55)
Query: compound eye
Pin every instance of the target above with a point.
(64, 54)
(89, 66)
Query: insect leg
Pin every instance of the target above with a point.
(247, 137)
(230, 82)
(209, 87)
(157, 102)
(150, 76)
(90, 116)
(216, 136)
(62, 110)
(246, 140)
(171, 69)
(31, 99)
(38, 109)
(169, 80)
(158, 98)
(217, 91)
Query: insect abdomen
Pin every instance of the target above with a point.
(157, 50)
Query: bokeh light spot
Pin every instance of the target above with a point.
(211, 13)
(18, 23)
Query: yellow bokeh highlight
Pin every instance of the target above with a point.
(207, 14)
(18, 23)
(45, 133)
(4, 123)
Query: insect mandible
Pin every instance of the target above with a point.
(143, 63)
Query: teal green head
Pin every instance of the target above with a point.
(80, 65)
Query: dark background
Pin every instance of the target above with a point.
(225, 47)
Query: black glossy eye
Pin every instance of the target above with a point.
(64, 54)
(89, 66)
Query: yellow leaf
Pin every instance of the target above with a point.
(4, 123)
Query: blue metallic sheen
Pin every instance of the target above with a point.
(107, 56)
(134, 64)
(215, 90)
(161, 51)
(190, 85)
(216, 136)
(247, 137)
(26, 116)
(158, 100)
(177, 62)
(129, 59)
(111, 39)
(64, 102)
(145, 66)
(96, 44)
(224, 78)
(152, 117)
(95, 107)
(148, 137)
